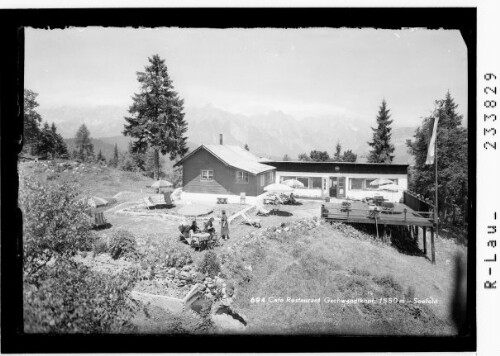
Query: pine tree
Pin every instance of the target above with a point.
(32, 121)
(157, 117)
(113, 162)
(381, 143)
(451, 157)
(286, 157)
(60, 148)
(337, 157)
(246, 147)
(100, 157)
(45, 144)
(84, 145)
(349, 156)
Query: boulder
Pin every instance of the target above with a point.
(185, 275)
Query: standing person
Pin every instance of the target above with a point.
(224, 226)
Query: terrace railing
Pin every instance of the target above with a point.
(417, 203)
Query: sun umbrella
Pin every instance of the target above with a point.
(161, 183)
(294, 183)
(277, 187)
(96, 201)
(381, 181)
(390, 187)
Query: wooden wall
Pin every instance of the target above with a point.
(224, 181)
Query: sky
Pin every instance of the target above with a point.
(301, 72)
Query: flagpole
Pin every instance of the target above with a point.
(436, 215)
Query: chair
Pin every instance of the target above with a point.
(261, 211)
(158, 200)
(242, 198)
(148, 203)
(251, 222)
(99, 219)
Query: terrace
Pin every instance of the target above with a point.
(401, 217)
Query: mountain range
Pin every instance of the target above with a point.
(271, 135)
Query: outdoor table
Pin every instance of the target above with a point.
(221, 200)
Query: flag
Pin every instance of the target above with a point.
(432, 144)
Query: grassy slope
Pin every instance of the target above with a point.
(325, 263)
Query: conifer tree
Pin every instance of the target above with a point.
(337, 157)
(246, 147)
(157, 117)
(113, 162)
(60, 148)
(32, 121)
(382, 148)
(46, 143)
(100, 157)
(84, 145)
(452, 161)
(286, 157)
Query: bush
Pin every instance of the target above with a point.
(99, 247)
(69, 297)
(209, 264)
(56, 223)
(122, 243)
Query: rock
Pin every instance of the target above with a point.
(286, 229)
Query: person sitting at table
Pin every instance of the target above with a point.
(194, 227)
(209, 226)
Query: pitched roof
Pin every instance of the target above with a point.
(233, 156)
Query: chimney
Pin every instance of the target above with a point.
(220, 139)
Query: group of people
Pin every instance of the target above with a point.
(209, 226)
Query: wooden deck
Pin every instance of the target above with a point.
(402, 216)
(359, 213)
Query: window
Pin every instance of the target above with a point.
(304, 180)
(241, 177)
(315, 183)
(207, 175)
(367, 184)
(364, 183)
(284, 178)
(356, 183)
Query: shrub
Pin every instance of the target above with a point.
(178, 258)
(56, 223)
(209, 264)
(99, 247)
(122, 243)
(70, 297)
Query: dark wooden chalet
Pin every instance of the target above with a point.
(224, 169)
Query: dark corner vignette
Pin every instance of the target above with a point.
(12, 24)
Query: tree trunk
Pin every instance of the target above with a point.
(156, 170)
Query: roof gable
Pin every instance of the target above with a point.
(233, 156)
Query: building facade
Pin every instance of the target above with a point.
(341, 179)
(224, 170)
